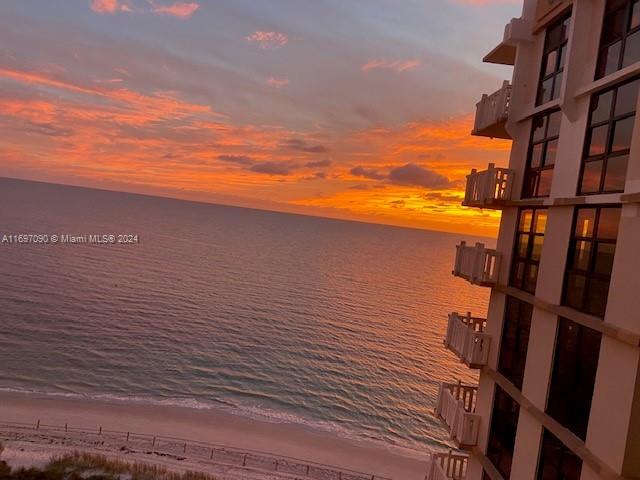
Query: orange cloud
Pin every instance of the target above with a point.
(178, 9)
(267, 40)
(395, 65)
(125, 105)
(387, 186)
(277, 82)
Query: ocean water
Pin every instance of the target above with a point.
(336, 325)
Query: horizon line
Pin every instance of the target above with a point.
(202, 202)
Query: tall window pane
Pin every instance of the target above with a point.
(556, 461)
(515, 340)
(574, 373)
(502, 433)
(620, 38)
(553, 59)
(528, 248)
(608, 139)
(541, 158)
(590, 259)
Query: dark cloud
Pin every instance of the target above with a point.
(418, 176)
(316, 176)
(443, 197)
(48, 129)
(318, 163)
(238, 159)
(273, 168)
(359, 186)
(365, 172)
(300, 145)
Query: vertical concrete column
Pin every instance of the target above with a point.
(614, 423)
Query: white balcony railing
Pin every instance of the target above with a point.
(467, 339)
(489, 188)
(478, 265)
(447, 466)
(492, 112)
(456, 408)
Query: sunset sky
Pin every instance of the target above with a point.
(357, 109)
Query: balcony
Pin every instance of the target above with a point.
(477, 265)
(492, 112)
(490, 188)
(456, 408)
(447, 466)
(466, 338)
(515, 32)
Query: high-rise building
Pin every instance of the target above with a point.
(558, 353)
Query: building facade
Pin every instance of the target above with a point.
(559, 350)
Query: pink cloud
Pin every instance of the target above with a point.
(105, 6)
(277, 82)
(268, 40)
(178, 9)
(398, 66)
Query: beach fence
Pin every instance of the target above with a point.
(177, 449)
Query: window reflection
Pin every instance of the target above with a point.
(542, 154)
(502, 433)
(515, 340)
(553, 61)
(556, 461)
(528, 248)
(590, 260)
(575, 362)
(620, 39)
(608, 139)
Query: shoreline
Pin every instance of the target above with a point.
(215, 427)
(260, 415)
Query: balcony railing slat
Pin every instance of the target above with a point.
(490, 188)
(492, 112)
(477, 264)
(456, 407)
(447, 466)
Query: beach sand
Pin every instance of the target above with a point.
(278, 439)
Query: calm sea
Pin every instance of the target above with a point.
(336, 325)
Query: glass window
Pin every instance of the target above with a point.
(515, 340)
(590, 260)
(542, 154)
(502, 433)
(556, 461)
(553, 59)
(620, 39)
(575, 363)
(608, 139)
(528, 248)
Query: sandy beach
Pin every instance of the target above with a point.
(276, 439)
